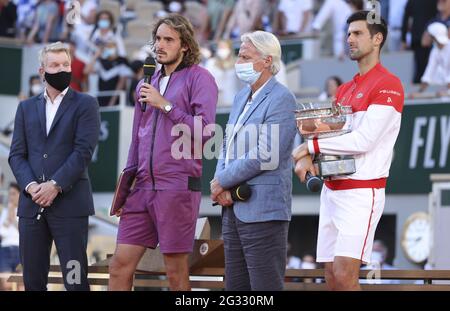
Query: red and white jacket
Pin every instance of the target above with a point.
(377, 100)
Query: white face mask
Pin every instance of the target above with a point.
(223, 53)
(246, 73)
(36, 89)
(103, 24)
(108, 52)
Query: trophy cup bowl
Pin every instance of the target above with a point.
(323, 120)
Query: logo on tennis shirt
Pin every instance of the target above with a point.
(389, 100)
(392, 92)
(360, 95)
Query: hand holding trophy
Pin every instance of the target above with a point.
(322, 120)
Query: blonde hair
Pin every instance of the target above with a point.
(186, 32)
(56, 47)
(267, 45)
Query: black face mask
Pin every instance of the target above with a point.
(60, 80)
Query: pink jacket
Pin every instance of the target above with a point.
(193, 93)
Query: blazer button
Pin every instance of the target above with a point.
(45, 156)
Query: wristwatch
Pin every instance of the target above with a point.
(167, 108)
(56, 185)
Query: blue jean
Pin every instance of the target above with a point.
(9, 258)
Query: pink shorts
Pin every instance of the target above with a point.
(168, 217)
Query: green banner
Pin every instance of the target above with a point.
(103, 168)
(445, 198)
(422, 148)
(11, 67)
(291, 50)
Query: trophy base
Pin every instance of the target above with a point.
(329, 166)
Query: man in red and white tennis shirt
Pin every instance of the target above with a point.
(351, 206)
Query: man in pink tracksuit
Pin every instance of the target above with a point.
(163, 205)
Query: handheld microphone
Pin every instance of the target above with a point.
(240, 192)
(149, 70)
(313, 183)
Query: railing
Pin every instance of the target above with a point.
(296, 279)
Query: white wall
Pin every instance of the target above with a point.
(8, 107)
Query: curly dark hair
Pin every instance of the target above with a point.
(184, 28)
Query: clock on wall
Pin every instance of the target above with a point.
(416, 237)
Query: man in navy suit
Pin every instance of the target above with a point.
(55, 134)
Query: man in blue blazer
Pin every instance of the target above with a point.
(55, 134)
(259, 139)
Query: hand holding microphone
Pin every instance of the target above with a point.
(303, 168)
(240, 192)
(149, 70)
(313, 183)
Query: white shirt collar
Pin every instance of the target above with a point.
(60, 95)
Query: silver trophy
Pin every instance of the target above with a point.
(322, 120)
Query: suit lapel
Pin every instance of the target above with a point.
(234, 116)
(41, 113)
(241, 104)
(61, 109)
(257, 101)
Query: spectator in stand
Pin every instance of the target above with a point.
(384, 6)
(443, 16)
(379, 256)
(78, 22)
(294, 16)
(339, 11)
(415, 20)
(8, 17)
(331, 87)
(378, 263)
(79, 79)
(246, 17)
(221, 66)
(219, 12)
(308, 262)
(292, 261)
(9, 234)
(45, 28)
(138, 75)
(198, 17)
(438, 68)
(35, 87)
(26, 11)
(396, 11)
(106, 31)
(80, 32)
(113, 72)
(355, 5)
(269, 16)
